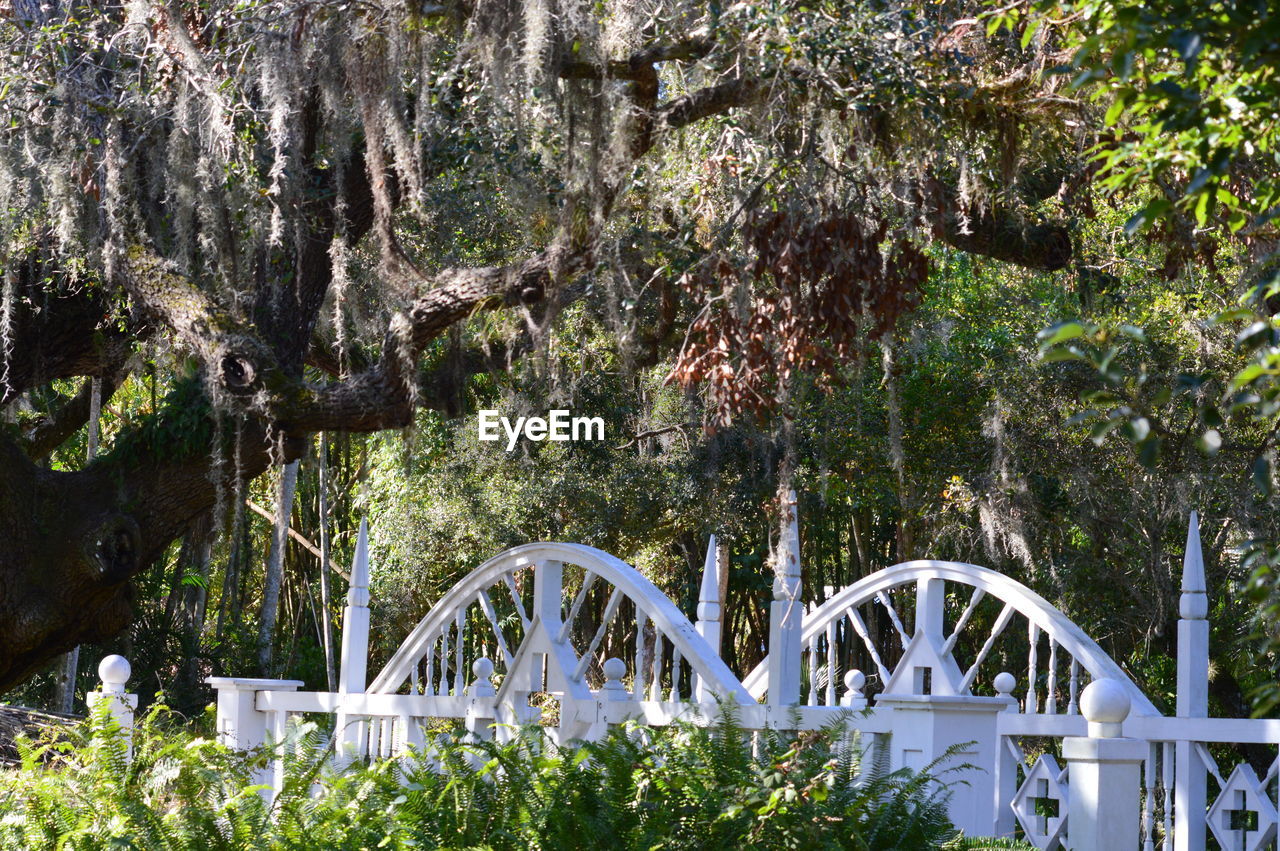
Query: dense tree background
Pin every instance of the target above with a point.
(772, 244)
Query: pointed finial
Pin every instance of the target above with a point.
(358, 595)
(709, 596)
(1194, 605)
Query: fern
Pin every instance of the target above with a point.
(683, 787)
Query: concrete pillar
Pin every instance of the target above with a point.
(1105, 807)
(924, 727)
(114, 672)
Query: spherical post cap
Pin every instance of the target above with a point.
(1005, 682)
(114, 670)
(614, 668)
(1105, 701)
(855, 680)
(482, 668)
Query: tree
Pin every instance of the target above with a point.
(300, 202)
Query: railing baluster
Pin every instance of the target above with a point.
(1033, 700)
(861, 628)
(428, 681)
(1051, 685)
(642, 671)
(883, 599)
(655, 686)
(1073, 689)
(675, 674)
(459, 674)
(610, 612)
(588, 579)
(491, 614)
(444, 661)
(811, 653)
(831, 664)
(978, 594)
(1166, 770)
(1149, 799)
(1006, 615)
(510, 582)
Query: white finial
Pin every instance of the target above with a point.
(1005, 683)
(1104, 704)
(709, 596)
(1194, 605)
(483, 684)
(358, 593)
(853, 696)
(614, 670)
(114, 671)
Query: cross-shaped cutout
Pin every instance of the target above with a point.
(1242, 819)
(1046, 806)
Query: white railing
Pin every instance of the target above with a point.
(568, 624)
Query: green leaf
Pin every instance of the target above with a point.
(1257, 334)
(1149, 452)
(1246, 376)
(1063, 353)
(1262, 476)
(1030, 32)
(1060, 333)
(1100, 431)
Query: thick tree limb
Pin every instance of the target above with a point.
(60, 332)
(996, 232)
(53, 431)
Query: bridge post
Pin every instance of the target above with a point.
(709, 610)
(1104, 805)
(786, 613)
(1190, 797)
(352, 678)
(114, 672)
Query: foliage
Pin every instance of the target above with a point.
(683, 787)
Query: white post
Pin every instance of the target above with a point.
(1005, 779)
(114, 672)
(1104, 806)
(786, 612)
(353, 676)
(709, 611)
(1189, 793)
(479, 720)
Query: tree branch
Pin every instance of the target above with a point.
(53, 431)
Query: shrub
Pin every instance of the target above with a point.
(683, 787)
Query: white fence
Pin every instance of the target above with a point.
(573, 628)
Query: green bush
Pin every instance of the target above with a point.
(679, 788)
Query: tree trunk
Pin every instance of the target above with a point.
(326, 621)
(65, 699)
(275, 566)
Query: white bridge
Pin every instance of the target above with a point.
(573, 630)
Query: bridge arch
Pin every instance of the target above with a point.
(930, 645)
(527, 625)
